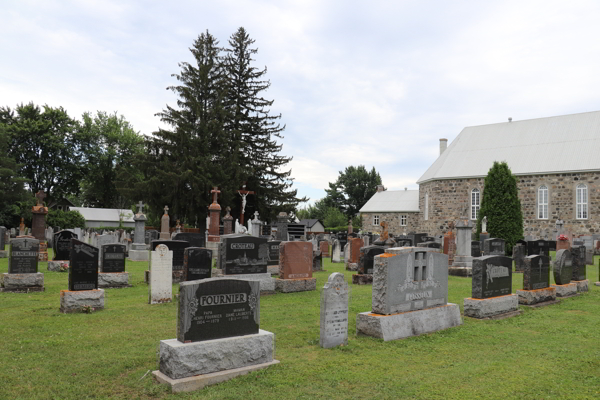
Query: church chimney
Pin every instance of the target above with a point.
(443, 145)
(380, 188)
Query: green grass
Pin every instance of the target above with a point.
(547, 353)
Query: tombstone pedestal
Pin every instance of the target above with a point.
(407, 324)
(463, 266)
(273, 269)
(113, 279)
(43, 251)
(183, 366)
(214, 246)
(493, 307)
(3, 254)
(351, 266)
(138, 252)
(295, 285)
(537, 296)
(582, 286)
(73, 301)
(267, 284)
(568, 290)
(362, 279)
(56, 266)
(23, 283)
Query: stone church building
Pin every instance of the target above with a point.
(556, 161)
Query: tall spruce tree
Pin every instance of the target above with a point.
(253, 133)
(501, 205)
(183, 162)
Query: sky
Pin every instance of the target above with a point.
(373, 83)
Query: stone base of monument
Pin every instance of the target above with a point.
(597, 283)
(295, 285)
(531, 297)
(273, 269)
(74, 301)
(3, 254)
(192, 366)
(460, 271)
(362, 279)
(407, 324)
(352, 266)
(568, 290)
(499, 307)
(54, 266)
(22, 283)
(267, 284)
(113, 279)
(582, 286)
(138, 255)
(214, 246)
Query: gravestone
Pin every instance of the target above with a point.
(83, 266)
(519, 257)
(164, 225)
(113, 258)
(492, 276)
(273, 252)
(541, 247)
(536, 274)
(295, 268)
(463, 262)
(334, 312)
(494, 247)
(317, 261)
(409, 296)
(106, 239)
(563, 267)
(475, 248)
(23, 256)
(2, 237)
(194, 239)
(161, 275)
(578, 263)
(324, 248)
(243, 254)
(335, 251)
(177, 247)
(354, 245)
(449, 246)
(367, 258)
(217, 308)
(197, 263)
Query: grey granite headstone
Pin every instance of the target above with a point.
(519, 257)
(563, 267)
(2, 237)
(23, 256)
(335, 251)
(334, 312)
(493, 247)
(492, 276)
(412, 279)
(536, 273)
(578, 263)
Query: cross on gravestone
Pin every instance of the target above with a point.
(140, 207)
(256, 215)
(166, 210)
(215, 191)
(40, 196)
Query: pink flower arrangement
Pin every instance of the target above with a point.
(563, 238)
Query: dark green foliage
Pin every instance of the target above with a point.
(500, 203)
(112, 145)
(47, 146)
(353, 188)
(14, 198)
(65, 219)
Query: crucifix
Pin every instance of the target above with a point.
(215, 191)
(140, 207)
(40, 196)
(166, 210)
(244, 193)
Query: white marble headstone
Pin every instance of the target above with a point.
(334, 312)
(161, 275)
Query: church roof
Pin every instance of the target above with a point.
(393, 201)
(566, 143)
(104, 214)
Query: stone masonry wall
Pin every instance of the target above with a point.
(450, 199)
(393, 220)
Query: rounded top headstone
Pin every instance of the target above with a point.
(563, 267)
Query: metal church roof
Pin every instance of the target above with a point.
(393, 201)
(566, 143)
(104, 214)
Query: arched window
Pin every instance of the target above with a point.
(581, 200)
(542, 202)
(426, 206)
(474, 203)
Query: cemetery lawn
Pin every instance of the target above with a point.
(546, 353)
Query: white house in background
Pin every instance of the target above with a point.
(399, 208)
(313, 225)
(108, 217)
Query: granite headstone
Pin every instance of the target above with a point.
(197, 263)
(563, 267)
(492, 276)
(23, 256)
(83, 266)
(536, 272)
(113, 257)
(62, 245)
(334, 312)
(243, 254)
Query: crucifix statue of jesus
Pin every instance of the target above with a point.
(244, 193)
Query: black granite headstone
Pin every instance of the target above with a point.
(492, 277)
(366, 258)
(62, 245)
(113, 257)
(197, 263)
(541, 247)
(243, 254)
(274, 252)
(475, 248)
(83, 268)
(2, 237)
(578, 263)
(563, 267)
(194, 239)
(536, 272)
(217, 308)
(23, 256)
(493, 247)
(177, 247)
